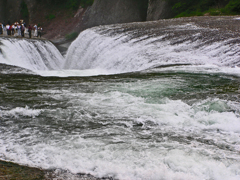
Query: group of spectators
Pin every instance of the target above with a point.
(20, 29)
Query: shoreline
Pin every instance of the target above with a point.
(10, 170)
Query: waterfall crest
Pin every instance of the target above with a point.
(30, 54)
(139, 46)
(121, 48)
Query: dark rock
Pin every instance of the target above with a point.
(10, 170)
(159, 9)
(10, 10)
(104, 12)
(2, 10)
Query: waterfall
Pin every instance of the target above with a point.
(30, 54)
(178, 118)
(138, 46)
(124, 48)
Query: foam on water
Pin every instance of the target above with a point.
(19, 111)
(69, 73)
(118, 148)
(136, 129)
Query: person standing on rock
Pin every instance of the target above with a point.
(35, 30)
(22, 30)
(25, 27)
(39, 32)
(4, 26)
(8, 27)
(19, 29)
(16, 28)
(1, 29)
(12, 29)
(30, 31)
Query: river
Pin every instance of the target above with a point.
(152, 100)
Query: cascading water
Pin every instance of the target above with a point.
(30, 54)
(136, 47)
(166, 108)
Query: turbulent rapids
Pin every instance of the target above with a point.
(154, 100)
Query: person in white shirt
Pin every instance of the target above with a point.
(19, 29)
(35, 30)
(8, 29)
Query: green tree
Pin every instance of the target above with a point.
(24, 10)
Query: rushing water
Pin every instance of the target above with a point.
(124, 103)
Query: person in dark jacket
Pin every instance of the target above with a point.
(1, 29)
(12, 29)
(30, 31)
(4, 26)
(22, 30)
(39, 32)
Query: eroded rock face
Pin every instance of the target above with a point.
(105, 12)
(123, 11)
(32, 8)
(159, 9)
(2, 10)
(12, 13)
(10, 10)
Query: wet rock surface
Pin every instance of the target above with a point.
(10, 170)
(8, 69)
(13, 171)
(227, 24)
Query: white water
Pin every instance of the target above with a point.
(55, 136)
(100, 50)
(121, 53)
(30, 54)
(117, 151)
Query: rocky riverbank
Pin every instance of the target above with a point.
(9, 171)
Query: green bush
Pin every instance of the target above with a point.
(71, 36)
(178, 5)
(85, 3)
(215, 12)
(50, 16)
(233, 7)
(183, 8)
(24, 10)
(189, 13)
